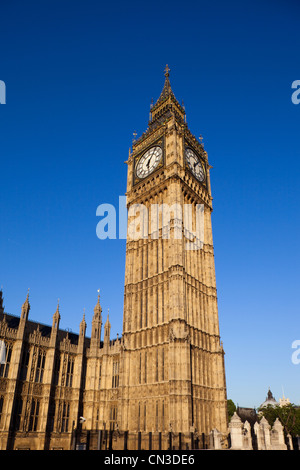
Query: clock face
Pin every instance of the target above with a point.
(195, 165)
(148, 162)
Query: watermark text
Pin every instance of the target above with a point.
(296, 94)
(296, 353)
(176, 221)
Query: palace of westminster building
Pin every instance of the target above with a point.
(164, 378)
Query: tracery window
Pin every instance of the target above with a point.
(65, 417)
(34, 415)
(115, 375)
(56, 369)
(40, 366)
(70, 371)
(113, 418)
(18, 414)
(24, 363)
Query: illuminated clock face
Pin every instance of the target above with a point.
(148, 162)
(195, 165)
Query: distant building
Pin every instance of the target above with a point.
(284, 401)
(250, 414)
(270, 400)
(247, 414)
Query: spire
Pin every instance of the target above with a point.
(97, 323)
(107, 323)
(82, 326)
(270, 395)
(25, 308)
(56, 317)
(98, 309)
(107, 330)
(167, 90)
(166, 102)
(107, 327)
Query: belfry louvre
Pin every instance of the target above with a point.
(161, 385)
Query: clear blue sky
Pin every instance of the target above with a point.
(80, 76)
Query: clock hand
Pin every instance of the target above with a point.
(148, 163)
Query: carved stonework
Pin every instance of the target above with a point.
(3, 384)
(179, 333)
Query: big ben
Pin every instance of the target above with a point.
(173, 369)
(163, 380)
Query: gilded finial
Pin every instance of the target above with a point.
(134, 136)
(167, 70)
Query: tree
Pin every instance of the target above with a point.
(231, 408)
(288, 415)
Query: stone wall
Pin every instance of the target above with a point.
(260, 437)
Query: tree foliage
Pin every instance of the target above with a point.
(231, 408)
(288, 415)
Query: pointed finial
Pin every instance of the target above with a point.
(107, 320)
(57, 308)
(56, 316)
(97, 309)
(83, 323)
(134, 136)
(27, 298)
(167, 70)
(107, 323)
(25, 307)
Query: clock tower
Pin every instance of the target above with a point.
(173, 376)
